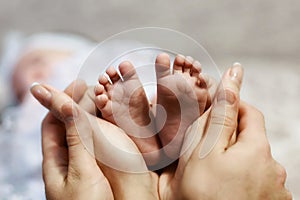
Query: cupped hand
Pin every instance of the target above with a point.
(71, 140)
(69, 171)
(232, 160)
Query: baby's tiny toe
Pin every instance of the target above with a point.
(113, 74)
(127, 70)
(103, 80)
(179, 63)
(101, 101)
(188, 63)
(162, 65)
(196, 68)
(99, 89)
(163, 59)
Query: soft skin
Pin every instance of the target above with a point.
(224, 171)
(234, 164)
(69, 170)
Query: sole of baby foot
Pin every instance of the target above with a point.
(124, 103)
(184, 96)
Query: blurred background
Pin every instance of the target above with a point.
(262, 35)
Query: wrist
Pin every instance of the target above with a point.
(135, 185)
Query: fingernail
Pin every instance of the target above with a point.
(189, 59)
(39, 92)
(235, 70)
(197, 63)
(108, 78)
(182, 56)
(34, 84)
(227, 96)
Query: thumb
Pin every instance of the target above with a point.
(222, 122)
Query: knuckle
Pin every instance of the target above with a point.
(268, 148)
(231, 95)
(289, 195)
(225, 117)
(257, 112)
(73, 140)
(260, 115)
(223, 121)
(263, 148)
(281, 171)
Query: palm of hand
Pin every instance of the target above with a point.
(63, 177)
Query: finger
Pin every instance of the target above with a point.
(251, 124)
(281, 176)
(68, 112)
(54, 150)
(81, 161)
(281, 173)
(102, 144)
(83, 95)
(222, 122)
(87, 102)
(50, 98)
(76, 89)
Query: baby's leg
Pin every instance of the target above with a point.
(184, 96)
(124, 103)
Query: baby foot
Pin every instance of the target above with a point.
(124, 103)
(184, 96)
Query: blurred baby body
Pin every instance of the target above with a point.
(46, 59)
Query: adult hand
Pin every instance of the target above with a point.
(82, 176)
(69, 171)
(222, 165)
